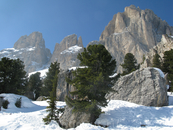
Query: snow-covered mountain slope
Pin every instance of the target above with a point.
(66, 52)
(118, 115)
(42, 73)
(34, 58)
(13, 53)
(73, 49)
(31, 50)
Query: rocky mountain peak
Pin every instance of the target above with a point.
(133, 31)
(31, 50)
(132, 10)
(35, 39)
(80, 42)
(131, 19)
(66, 52)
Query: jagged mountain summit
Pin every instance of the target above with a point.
(66, 52)
(31, 50)
(133, 31)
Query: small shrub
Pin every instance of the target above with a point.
(18, 102)
(5, 104)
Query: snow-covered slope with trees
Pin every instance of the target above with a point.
(117, 115)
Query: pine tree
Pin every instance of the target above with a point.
(92, 82)
(168, 66)
(48, 81)
(53, 111)
(130, 64)
(35, 84)
(13, 77)
(156, 61)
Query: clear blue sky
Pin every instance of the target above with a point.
(56, 19)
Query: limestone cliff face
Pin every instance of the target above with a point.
(31, 50)
(66, 52)
(63, 88)
(165, 44)
(133, 31)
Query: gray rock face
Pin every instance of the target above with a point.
(63, 87)
(71, 120)
(166, 44)
(66, 52)
(133, 31)
(41, 98)
(33, 40)
(30, 95)
(144, 87)
(1, 100)
(31, 50)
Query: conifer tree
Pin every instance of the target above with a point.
(92, 82)
(48, 81)
(130, 64)
(168, 66)
(35, 84)
(156, 61)
(13, 77)
(53, 111)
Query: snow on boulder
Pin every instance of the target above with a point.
(160, 71)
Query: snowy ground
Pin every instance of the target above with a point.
(119, 115)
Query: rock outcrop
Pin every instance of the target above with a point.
(1, 100)
(31, 50)
(145, 87)
(66, 52)
(41, 98)
(133, 31)
(63, 88)
(72, 120)
(166, 44)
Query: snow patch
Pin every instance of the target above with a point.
(160, 71)
(30, 49)
(74, 68)
(118, 114)
(43, 73)
(112, 76)
(25, 102)
(72, 49)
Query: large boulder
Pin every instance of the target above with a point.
(71, 120)
(63, 88)
(145, 87)
(41, 98)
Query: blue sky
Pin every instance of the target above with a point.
(56, 19)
